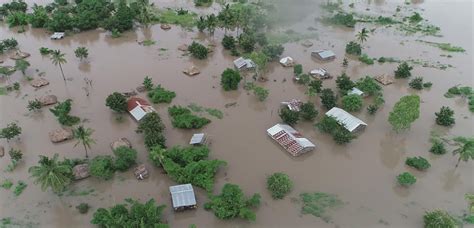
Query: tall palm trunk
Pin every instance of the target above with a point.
(61, 68)
(85, 148)
(459, 161)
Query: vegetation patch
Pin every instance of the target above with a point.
(170, 16)
(148, 43)
(152, 128)
(439, 218)
(211, 111)
(6, 184)
(405, 112)
(19, 188)
(341, 18)
(406, 179)
(289, 36)
(161, 95)
(366, 59)
(444, 46)
(279, 185)
(61, 111)
(319, 204)
(340, 134)
(419, 163)
(464, 92)
(183, 118)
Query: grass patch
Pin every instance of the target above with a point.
(3, 91)
(215, 112)
(319, 204)
(195, 108)
(170, 16)
(366, 59)
(465, 92)
(19, 188)
(444, 46)
(148, 42)
(79, 193)
(6, 184)
(425, 29)
(289, 36)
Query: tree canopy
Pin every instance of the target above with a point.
(182, 117)
(230, 79)
(117, 102)
(50, 173)
(405, 112)
(279, 185)
(152, 128)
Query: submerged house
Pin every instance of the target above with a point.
(348, 121)
(293, 104)
(290, 139)
(244, 64)
(198, 139)
(356, 91)
(324, 55)
(182, 197)
(138, 108)
(320, 73)
(57, 35)
(287, 61)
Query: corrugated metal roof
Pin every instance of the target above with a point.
(241, 62)
(290, 139)
(138, 113)
(286, 61)
(197, 139)
(356, 92)
(349, 121)
(182, 195)
(325, 54)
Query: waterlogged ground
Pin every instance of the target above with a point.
(361, 173)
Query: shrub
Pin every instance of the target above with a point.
(338, 132)
(148, 83)
(198, 50)
(298, 69)
(161, 95)
(369, 86)
(366, 59)
(230, 79)
(288, 116)
(39, 17)
(260, 93)
(406, 179)
(183, 118)
(405, 112)
(353, 48)
(125, 157)
(445, 116)
(416, 83)
(61, 111)
(303, 79)
(81, 52)
(342, 18)
(102, 167)
(279, 185)
(228, 42)
(117, 102)
(344, 83)
(17, 19)
(328, 99)
(273, 51)
(314, 87)
(247, 42)
(45, 51)
(439, 219)
(437, 147)
(152, 127)
(372, 109)
(11, 131)
(352, 103)
(83, 208)
(403, 70)
(419, 163)
(308, 111)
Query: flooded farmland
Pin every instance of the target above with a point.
(362, 173)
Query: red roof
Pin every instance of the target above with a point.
(134, 102)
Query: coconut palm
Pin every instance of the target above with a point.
(51, 173)
(81, 53)
(465, 149)
(57, 58)
(21, 65)
(211, 23)
(83, 136)
(362, 35)
(144, 14)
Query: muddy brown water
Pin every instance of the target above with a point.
(361, 173)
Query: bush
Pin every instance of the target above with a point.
(117, 102)
(314, 87)
(183, 118)
(341, 18)
(288, 116)
(102, 167)
(45, 51)
(60, 21)
(198, 50)
(228, 42)
(445, 116)
(202, 2)
(148, 83)
(230, 79)
(34, 105)
(260, 93)
(17, 19)
(403, 70)
(406, 179)
(247, 42)
(344, 83)
(279, 185)
(152, 127)
(339, 133)
(303, 79)
(83, 208)
(366, 59)
(39, 17)
(405, 112)
(437, 147)
(419, 163)
(273, 51)
(369, 86)
(61, 111)
(125, 157)
(328, 99)
(416, 83)
(308, 111)
(353, 48)
(352, 103)
(298, 69)
(161, 95)
(439, 219)
(427, 85)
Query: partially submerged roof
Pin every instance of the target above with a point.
(197, 139)
(182, 195)
(244, 63)
(356, 92)
(287, 61)
(57, 35)
(293, 104)
(324, 54)
(347, 120)
(138, 108)
(318, 72)
(290, 139)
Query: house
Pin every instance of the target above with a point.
(57, 35)
(348, 121)
(242, 63)
(198, 139)
(356, 92)
(287, 61)
(138, 108)
(324, 55)
(384, 79)
(182, 197)
(320, 73)
(293, 104)
(290, 139)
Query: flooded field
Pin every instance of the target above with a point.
(362, 173)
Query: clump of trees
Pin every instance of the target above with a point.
(61, 111)
(314, 87)
(352, 103)
(406, 179)
(403, 70)
(152, 128)
(353, 48)
(116, 102)
(198, 50)
(125, 157)
(102, 166)
(11, 131)
(147, 214)
(183, 118)
(405, 112)
(288, 116)
(260, 92)
(228, 42)
(15, 158)
(439, 218)
(419, 163)
(230, 79)
(344, 83)
(8, 44)
(340, 134)
(341, 18)
(279, 185)
(188, 165)
(445, 116)
(232, 203)
(308, 111)
(328, 98)
(161, 95)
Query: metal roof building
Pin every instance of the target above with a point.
(293, 104)
(57, 35)
(198, 139)
(287, 61)
(356, 92)
(182, 196)
(324, 54)
(242, 63)
(290, 139)
(350, 122)
(138, 108)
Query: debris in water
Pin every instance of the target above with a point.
(228, 105)
(191, 71)
(39, 82)
(60, 135)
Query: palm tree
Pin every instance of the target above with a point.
(362, 35)
(83, 135)
(211, 23)
(144, 14)
(21, 65)
(57, 57)
(51, 173)
(465, 149)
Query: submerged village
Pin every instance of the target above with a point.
(236, 113)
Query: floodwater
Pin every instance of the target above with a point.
(361, 173)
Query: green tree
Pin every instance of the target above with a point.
(352, 103)
(211, 23)
(34, 105)
(44, 51)
(11, 131)
(230, 79)
(419, 163)
(145, 14)
(122, 19)
(148, 83)
(161, 95)
(369, 86)
(21, 65)
(183, 118)
(50, 173)
(15, 158)
(362, 35)
(353, 48)
(406, 179)
(260, 92)
(439, 219)
(39, 17)
(416, 83)
(232, 203)
(61, 111)
(273, 51)
(308, 111)
(81, 53)
(247, 42)
(344, 83)
(403, 70)
(445, 116)
(405, 112)
(125, 157)
(228, 42)
(102, 167)
(83, 136)
(279, 185)
(298, 69)
(60, 21)
(437, 147)
(17, 19)
(314, 87)
(152, 127)
(328, 99)
(198, 50)
(201, 24)
(339, 133)
(260, 59)
(465, 149)
(288, 116)
(57, 58)
(117, 102)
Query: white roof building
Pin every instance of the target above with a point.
(198, 139)
(324, 54)
(290, 139)
(57, 35)
(138, 108)
(320, 73)
(182, 196)
(356, 92)
(287, 61)
(242, 63)
(350, 122)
